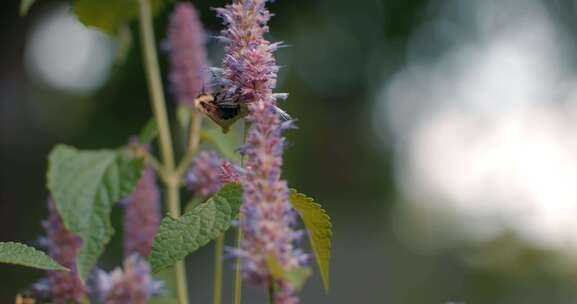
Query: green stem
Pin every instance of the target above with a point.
(271, 291)
(237, 276)
(218, 247)
(193, 142)
(165, 139)
(155, 84)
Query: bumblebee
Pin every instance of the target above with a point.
(32, 296)
(223, 111)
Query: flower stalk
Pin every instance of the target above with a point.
(172, 180)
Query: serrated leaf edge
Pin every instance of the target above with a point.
(212, 230)
(325, 275)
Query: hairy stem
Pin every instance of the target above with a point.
(165, 140)
(237, 276)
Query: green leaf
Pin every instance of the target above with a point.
(225, 144)
(177, 238)
(296, 277)
(184, 114)
(110, 15)
(319, 227)
(20, 254)
(168, 278)
(124, 44)
(85, 185)
(148, 132)
(25, 6)
(195, 201)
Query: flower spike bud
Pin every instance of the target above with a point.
(63, 247)
(142, 212)
(188, 60)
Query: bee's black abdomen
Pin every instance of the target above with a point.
(228, 112)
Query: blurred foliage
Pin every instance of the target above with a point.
(339, 56)
(110, 15)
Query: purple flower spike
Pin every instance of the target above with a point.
(250, 71)
(249, 67)
(134, 285)
(142, 215)
(63, 247)
(203, 179)
(188, 63)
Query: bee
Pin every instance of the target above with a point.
(32, 297)
(224, 109)
(23, 299)
(220, 109)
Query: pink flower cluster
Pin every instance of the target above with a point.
(203, 177)
(267, 218)
(142, 215)
(208, 173)
(141, 221)
(63, 247)
(188, 63)
(134, 285)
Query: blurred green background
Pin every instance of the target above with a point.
(441, 136)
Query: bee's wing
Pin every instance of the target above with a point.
(216, 79)
(283, 114)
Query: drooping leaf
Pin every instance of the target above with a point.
(176, 238)
(319, 227)
(25, 6)
(148, 132)
(85, 185)
(20, 254)
(110, 15)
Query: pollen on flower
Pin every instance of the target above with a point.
(188, 62)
